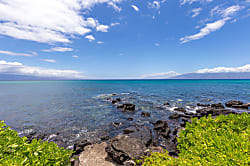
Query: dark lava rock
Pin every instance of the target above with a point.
(117, 124)
(79, 146)
(180, 109)
(186, 120)
(145, 114)
(162, 128)
(213, 111)
(125, 147)
(174, 116)
(219, 105)
(130, 130)
(144, 134)
(120, 106)
(233, 102)
(35, 135)
(105, 138)
(167, 104)
(203, 105)
(130, 119)
(243, 106)
(127, 107)
(237, 104)
(116, 101)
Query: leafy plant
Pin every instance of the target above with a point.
(15, 150)
(220, 141)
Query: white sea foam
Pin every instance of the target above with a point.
(52, 136)
(26, 131)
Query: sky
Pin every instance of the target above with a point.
(102, 39)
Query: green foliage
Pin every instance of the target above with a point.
(15, 150)
(220, 141)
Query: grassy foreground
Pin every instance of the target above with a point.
(15, 150)
(220, 141)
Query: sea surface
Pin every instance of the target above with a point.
(74, 110)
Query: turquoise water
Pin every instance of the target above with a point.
(79, 109)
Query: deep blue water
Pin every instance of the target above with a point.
(79, 108)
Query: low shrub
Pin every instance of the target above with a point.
(15, 150)
(220, 141)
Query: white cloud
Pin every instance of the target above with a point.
(154, 4)
(75, 56)
(196, 12)
(226, 12)
(245, 68)
(90, 37)
(102, 28)
(100, 42)
(114, 24)
(46, 21)
(135, 8)
(160, 75)
(49, 60)
(114, 5)
(58, 49)
(192, 1)
(225, 15)
(209, 28)
(17, 54)
(230, 10)
(20, 69)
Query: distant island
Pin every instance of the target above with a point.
(231, 75)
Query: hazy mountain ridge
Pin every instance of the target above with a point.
(229, 75)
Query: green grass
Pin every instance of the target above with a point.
(220, 141)
(15, 150)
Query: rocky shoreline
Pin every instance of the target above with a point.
(140, 139)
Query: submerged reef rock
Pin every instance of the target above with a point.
(128, 107)
(145, 114)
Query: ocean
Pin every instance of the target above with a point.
(74, 110)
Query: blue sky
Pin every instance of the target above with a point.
(123, 38)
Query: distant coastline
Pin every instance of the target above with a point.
(188, 76)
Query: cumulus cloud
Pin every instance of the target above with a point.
(20, 69)
(209, 28)
(75, 56)
(49, 60)
(102, 28)
(135, 8)
(160, 75)
(196, 12)
(17, 54)
(90, 37)
(58, 49)
(245, 68)
(47, 21)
